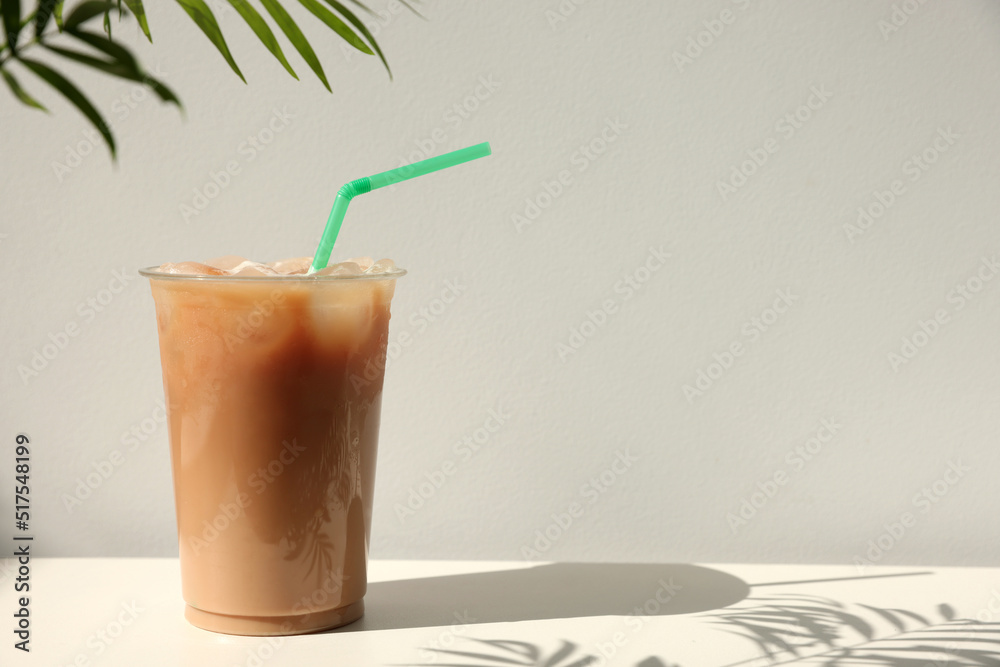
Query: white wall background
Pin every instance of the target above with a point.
(683, 130)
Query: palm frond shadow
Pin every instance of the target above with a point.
(804, 629)
(789, 629)
(502, 652)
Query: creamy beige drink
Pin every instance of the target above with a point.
(273, 383)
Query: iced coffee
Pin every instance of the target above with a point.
(273, 383)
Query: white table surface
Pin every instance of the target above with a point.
(518, 613)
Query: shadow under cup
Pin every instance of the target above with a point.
(273, 389)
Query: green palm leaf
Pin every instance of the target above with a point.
(263, 31)
(19, 92)
(363, 29)
(135, 6)
(119, 69)
(86, 11)
(295, 36)
(364, 7)
(122, 55)
(11, 22)
(43, 14)
(203, 17)
(411, 8)
(111, 67)
(73, 94)
(105, 45)
(115, 60)
(335, 24)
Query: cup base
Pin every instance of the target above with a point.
(270, 626)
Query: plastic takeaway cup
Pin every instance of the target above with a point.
(273, 388)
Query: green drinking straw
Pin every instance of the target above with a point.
(363, 185)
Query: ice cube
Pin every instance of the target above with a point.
(341, 318)
(253, 269)
(192, 269)
(341, 269)
(226, 262)
(382, 266)
(293, 265)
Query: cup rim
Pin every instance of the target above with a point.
(154, 273)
